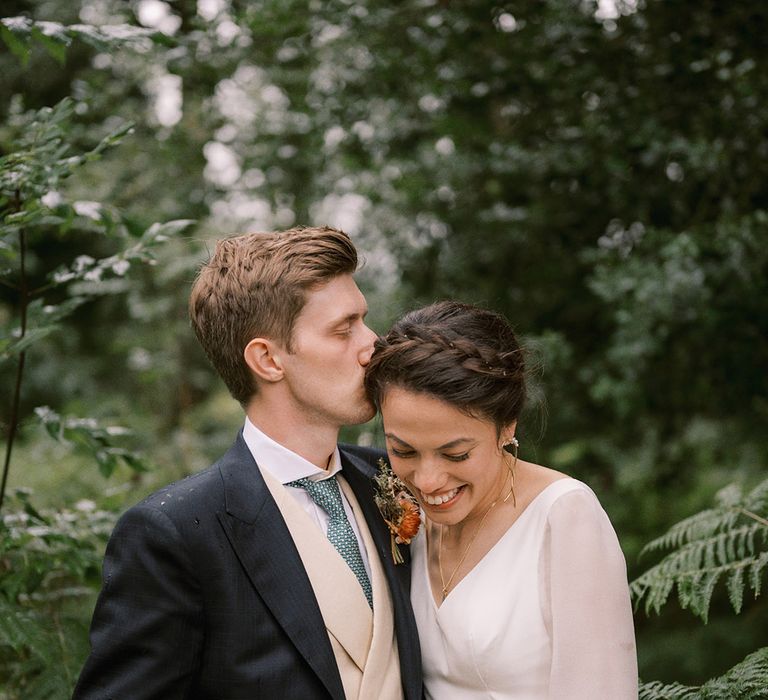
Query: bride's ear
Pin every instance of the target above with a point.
(263, 358)
(509, 442)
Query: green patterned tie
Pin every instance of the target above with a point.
(327, 495)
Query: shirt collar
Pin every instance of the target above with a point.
(282, 463)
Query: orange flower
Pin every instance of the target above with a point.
(410, 521)
(398, 507)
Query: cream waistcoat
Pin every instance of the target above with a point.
(363, 640)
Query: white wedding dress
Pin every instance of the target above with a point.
(545, 615)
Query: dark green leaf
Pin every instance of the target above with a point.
(55, 43)
(18, 47)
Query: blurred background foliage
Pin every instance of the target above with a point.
(594, 170)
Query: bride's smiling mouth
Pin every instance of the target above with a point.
(442, 499)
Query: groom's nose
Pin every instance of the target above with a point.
(367, 350)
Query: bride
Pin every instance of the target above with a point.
(519, 586)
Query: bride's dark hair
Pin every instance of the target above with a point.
(461, 354)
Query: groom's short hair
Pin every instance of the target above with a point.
(255, 285)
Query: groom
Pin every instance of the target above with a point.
(268, 575)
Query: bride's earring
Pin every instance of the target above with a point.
(511, 448)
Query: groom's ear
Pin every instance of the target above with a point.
(263, 358)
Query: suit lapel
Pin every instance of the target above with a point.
(358, 474)
(263, 544)
(338, 593)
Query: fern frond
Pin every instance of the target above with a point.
(732, 507)
(748, 680)
(757, 499)
(727, 542)
(755, 572)
(697, 567)
(696, 527)
(656, 690)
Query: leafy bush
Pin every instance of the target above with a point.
(50, 559)
(49, 566)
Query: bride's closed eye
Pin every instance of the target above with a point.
(403, 454)
(407, 454)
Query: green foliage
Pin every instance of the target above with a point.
(662, 286)
(49, 561)
(93, 439)
(745, 681)
(728, 541)
(40, 160)
(43, 321)
(19, 33)
(86, 269)
(32, 174)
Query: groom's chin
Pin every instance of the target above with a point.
(365, 412)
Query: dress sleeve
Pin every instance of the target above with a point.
(583, 580)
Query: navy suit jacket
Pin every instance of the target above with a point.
(205, 597)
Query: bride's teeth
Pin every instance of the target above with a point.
(439, 500)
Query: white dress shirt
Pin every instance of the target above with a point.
(287, 466)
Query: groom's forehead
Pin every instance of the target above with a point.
(335, 302)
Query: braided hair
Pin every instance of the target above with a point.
(461, 354)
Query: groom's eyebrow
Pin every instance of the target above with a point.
(350, 318)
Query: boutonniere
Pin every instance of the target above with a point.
(399, 508)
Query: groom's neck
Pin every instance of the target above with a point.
(309, 439)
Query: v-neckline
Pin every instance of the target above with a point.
(438, 607)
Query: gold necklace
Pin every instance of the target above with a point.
(446, 586)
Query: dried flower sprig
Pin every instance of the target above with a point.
(398, 507)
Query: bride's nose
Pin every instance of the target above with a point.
(428, 478)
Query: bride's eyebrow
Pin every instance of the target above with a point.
(455, 443)
(446, 446)
(394, 437)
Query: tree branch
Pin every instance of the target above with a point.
(13, 424)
